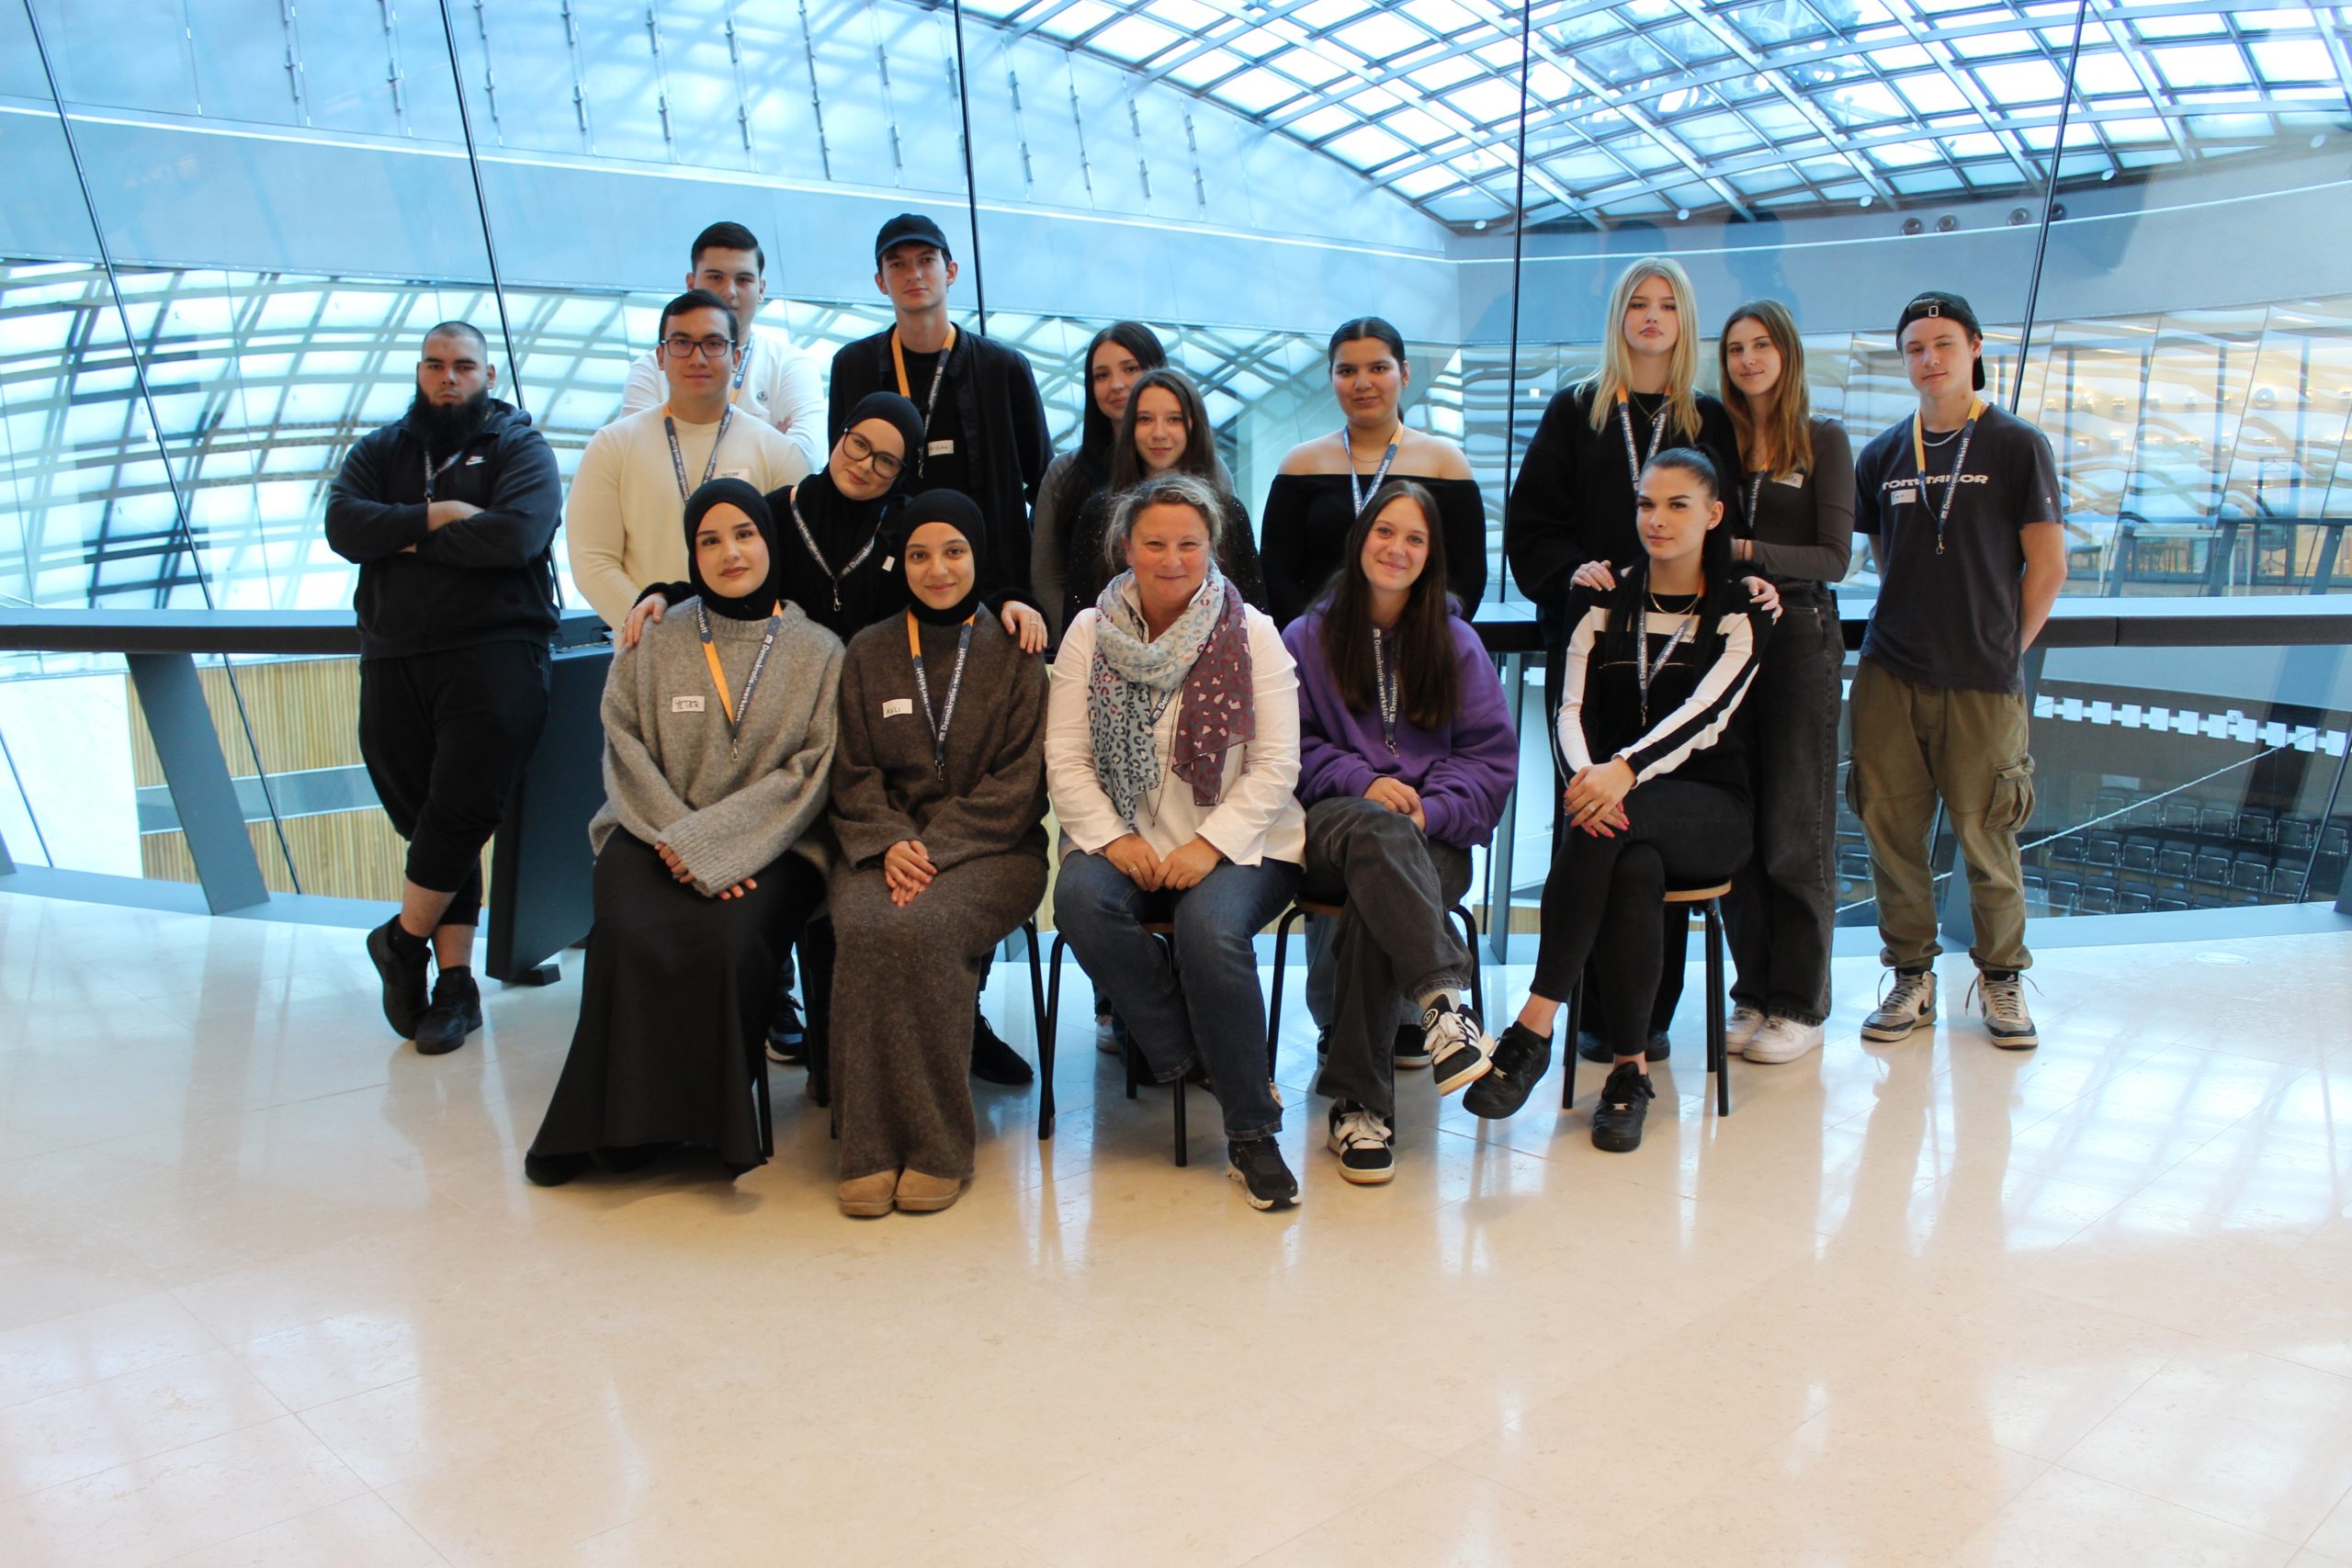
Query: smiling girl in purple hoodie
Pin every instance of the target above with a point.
(1407, 756)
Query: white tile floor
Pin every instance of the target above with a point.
(274, 1291)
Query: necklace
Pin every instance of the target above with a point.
(1944, 440)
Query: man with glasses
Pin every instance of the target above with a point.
(449, 513)
(625, 518)
(773, 379)
(984, 425)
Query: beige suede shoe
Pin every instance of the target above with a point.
(920, 1194)
(869, 1195)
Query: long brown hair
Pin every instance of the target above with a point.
(1199, 459)
(1429, 684)
(1787, 431)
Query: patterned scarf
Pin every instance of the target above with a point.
(1206, 653)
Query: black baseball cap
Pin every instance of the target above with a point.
(910, 226)
(1936, 302)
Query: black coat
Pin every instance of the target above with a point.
(487, 579)
(1004, 424)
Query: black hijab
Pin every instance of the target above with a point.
(960, 512)
(842, 527)
(761, 602)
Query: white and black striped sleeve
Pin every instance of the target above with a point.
(1700, 721)
(1582, 642)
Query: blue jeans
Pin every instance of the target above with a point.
(1209, 1007)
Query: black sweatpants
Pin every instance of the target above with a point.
(1603, 896)
(444, 735)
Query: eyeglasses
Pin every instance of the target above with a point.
(680, 347)
(861, 450)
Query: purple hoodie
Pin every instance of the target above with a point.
(1464, 775)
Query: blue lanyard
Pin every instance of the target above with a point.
(1357, 489)
(727, 705)
(678, 458)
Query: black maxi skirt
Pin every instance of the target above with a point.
(674, 1008)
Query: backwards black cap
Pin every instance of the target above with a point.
(1936, 302)
(906, 227)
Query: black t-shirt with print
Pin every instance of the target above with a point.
(1953, 620)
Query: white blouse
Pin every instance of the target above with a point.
(1257, 817)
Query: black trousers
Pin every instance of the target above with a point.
(444, 735)
(1603, 896)
(1674, 925)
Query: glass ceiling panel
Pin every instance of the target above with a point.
(1940, 86)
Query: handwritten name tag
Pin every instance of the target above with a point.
(685, 704)
(898, 708)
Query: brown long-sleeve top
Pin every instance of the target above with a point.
(992, 799)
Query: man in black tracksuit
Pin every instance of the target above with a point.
(450, 513)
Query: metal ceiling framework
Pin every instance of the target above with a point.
(1661, 109)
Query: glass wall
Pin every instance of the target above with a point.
(229, 223)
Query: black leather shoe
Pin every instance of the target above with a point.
(553, 1170)
(1593, 1048)
(455, 1012)
(400, 961)
(1520, 1056)
(995, 1062)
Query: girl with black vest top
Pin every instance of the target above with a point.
(711, 855)
(938, 807)
(1659, 791)
(1116, 359)
(1164, 431)
(1323, 484)
(836, 565)
(1573, 501)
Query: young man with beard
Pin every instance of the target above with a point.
(1960, 504)
(626, 517)
(773, 379)
(450, 515)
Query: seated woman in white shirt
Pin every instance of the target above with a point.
(1171, 750)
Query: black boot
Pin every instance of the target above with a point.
(400, 961)
(455, 1012)
(993, 1060)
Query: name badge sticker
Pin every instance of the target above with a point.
(942, 448)
(898, 708)
(1795, 482)
(685, 704)
(743, 474)
(1903, 495)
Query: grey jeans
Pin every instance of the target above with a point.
(1392, 940)
(1783, 911)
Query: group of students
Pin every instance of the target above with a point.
(827, 722)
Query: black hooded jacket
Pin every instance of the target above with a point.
(1004, 424)
(487, 579)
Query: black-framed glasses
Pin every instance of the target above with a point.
(861, 450)
(680, 346)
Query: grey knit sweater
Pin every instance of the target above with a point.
(668, 776)
(992, 800)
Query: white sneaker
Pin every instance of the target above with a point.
(1741, 1027)
(1783, 1040)
(2006, 1018)
(1460, 1052)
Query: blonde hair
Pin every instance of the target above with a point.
(1615, 374)
(1787, 431)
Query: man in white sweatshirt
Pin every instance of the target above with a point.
(771, 380)
(625, 520)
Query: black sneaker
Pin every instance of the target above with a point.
(1364, 1141)
(993, 1060)
(787, 1035)
(400, 961)
(1593, 1048)
(1256, 1164)
(1617, 1115)
(553, 1170)
(1411, 1050)
(1520, 1059)
(455, 1012)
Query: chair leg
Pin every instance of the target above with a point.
(1568, 1057)
(1718, 1051)
(1183, 1142)
(760, 1105)
(1274, 1007)
(1045, 1037)
(1478, 971)
(1037, 1013)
